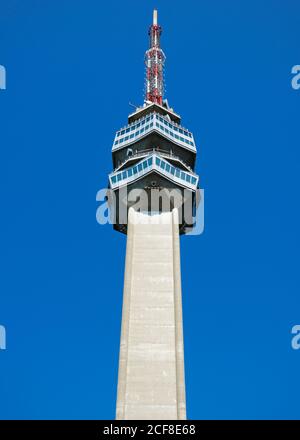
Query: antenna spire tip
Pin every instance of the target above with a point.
(155, 16)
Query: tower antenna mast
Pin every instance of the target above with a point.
(155, 60)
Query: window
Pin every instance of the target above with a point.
(156, 124)
(167, 167)
(143, 122)
(134, 170)
(126, 138)
(166, 130)
(116, 142)
(180, 131)
(147, 126)
(194, 180)
(121, 140)
(124, 175)
(113, 179)
(177, 174)
(172, 170)
(176, 136)
(122, 132)
(129, 172)
(151, 125)
(150, 162)
(188, 178)
(145, 164)
(131, 136)
(137, 133)
(182, 175)
(163, 164)
(140, 167)
(127, 130)
(119, 177)
(132, 127)
(137, 126)
(157, 161)
(142, 130)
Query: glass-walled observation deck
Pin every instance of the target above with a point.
(154, 162)
(154, 122)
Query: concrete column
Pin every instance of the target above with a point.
(151, 382)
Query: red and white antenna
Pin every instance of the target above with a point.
(154, 60)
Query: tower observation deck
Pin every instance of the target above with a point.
(153, 154)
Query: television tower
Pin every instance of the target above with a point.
(152, 155)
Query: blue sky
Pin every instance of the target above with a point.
(72, 67)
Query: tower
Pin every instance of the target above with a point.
(153, 199)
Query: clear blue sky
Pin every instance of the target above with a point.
(72, 67)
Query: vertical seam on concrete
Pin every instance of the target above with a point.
(122, 377)
(174, 308)
(179, 349)
(133, 232)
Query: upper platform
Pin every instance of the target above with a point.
(150, 107)
(152, 121)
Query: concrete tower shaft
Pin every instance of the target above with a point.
(151, 383)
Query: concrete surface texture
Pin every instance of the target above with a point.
(151, 383)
